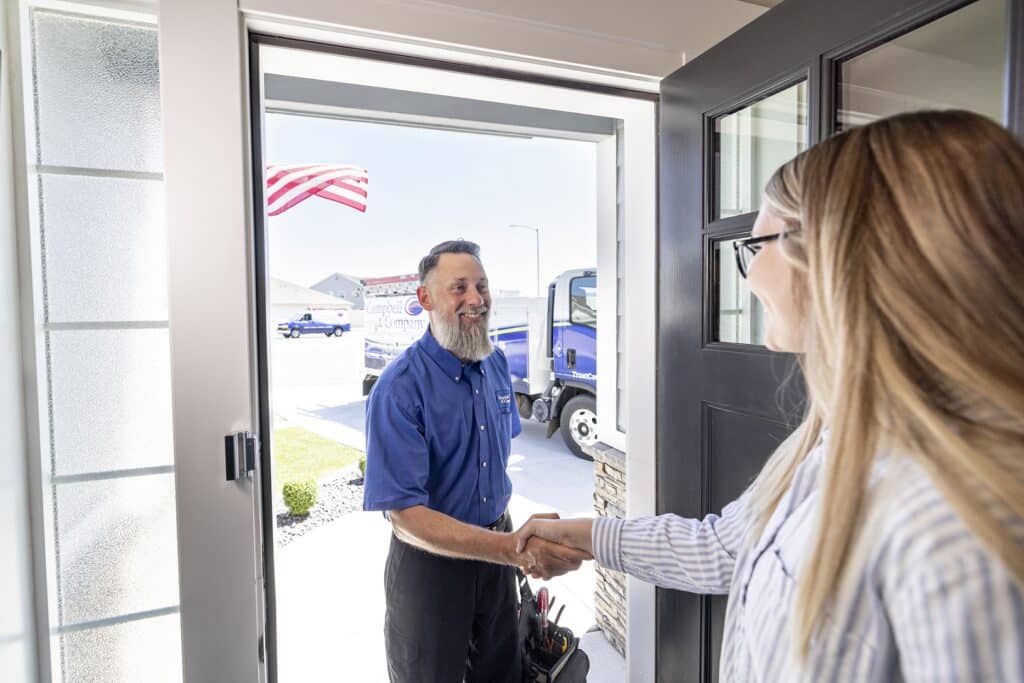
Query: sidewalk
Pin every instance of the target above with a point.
(330, 607)
(330, 594)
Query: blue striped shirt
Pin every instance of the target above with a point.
(922, 599)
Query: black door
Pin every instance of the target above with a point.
(800, 72)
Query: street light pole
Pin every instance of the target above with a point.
(536, 235)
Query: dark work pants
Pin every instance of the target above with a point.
(449, 620)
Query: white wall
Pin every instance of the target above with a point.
(17, 643)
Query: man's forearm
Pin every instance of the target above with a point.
(437, 533)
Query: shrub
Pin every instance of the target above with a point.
(300, 496)
(362, 466)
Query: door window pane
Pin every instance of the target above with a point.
(107, 244)
(739, 315)
(111, 400)
(752, 143)
(147, 650)
(97, 93)
(114, 556)
(956, 62)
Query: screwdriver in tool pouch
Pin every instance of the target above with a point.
(542, 609)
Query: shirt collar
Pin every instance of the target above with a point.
(448, 362)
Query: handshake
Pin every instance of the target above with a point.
(546, 546)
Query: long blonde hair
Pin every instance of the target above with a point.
(911, 254)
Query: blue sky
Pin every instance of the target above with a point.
(430, 185)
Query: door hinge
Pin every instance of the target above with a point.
(240, 452)
(260, 647)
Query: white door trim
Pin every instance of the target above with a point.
(204, 87)
(204, 81)
(639, 117)
(260, 19)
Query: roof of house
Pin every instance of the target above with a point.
(284, 293)
(335, 276)
(391, 279)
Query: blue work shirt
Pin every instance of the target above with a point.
(439, 432)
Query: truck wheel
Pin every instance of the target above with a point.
(578, 424)
(295, 333)
(337, 332)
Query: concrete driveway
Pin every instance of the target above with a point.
(330, 595)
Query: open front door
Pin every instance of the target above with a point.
(799, 73)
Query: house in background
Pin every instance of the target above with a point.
(288, 300)
(347, 287)
(392, 284)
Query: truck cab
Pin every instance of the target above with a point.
(551, 346)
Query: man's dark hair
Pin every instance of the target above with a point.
(429, 262)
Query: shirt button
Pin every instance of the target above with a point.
(485, 499)
(485, 463)
(482, 428)
(476, 390)
(456, 378)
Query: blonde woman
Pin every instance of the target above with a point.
(885, 537)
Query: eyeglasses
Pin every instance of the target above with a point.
(746, 249)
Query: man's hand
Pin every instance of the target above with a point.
(570, 533)
(549, 560)
(543, 558)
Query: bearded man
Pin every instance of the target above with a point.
(439, 425)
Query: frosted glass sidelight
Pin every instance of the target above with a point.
(118, 550)
(740, 315)
(97, 93)
(111, 399)
(105, 249)
(148, 650)
(750, 144)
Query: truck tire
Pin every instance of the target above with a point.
(337, 332)
(578, 423)
(295, 333)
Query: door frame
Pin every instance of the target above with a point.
(640, 259)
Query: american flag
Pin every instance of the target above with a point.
(290, 184)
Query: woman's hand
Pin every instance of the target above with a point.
(573, 533)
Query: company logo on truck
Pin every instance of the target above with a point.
(412, 306)
(393, 322)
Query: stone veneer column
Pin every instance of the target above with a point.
(610, 501)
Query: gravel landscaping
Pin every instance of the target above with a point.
(339, 494)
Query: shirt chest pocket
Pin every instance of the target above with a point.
(503, 401)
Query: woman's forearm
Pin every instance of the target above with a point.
(574, 533)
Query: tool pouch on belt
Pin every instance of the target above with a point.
(551, 654)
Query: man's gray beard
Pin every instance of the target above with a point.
(471, 344)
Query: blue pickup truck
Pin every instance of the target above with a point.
(332, 323)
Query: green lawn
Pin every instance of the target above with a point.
(299, 453)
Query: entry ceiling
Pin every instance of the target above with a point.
(679, 29)
(649, 38)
